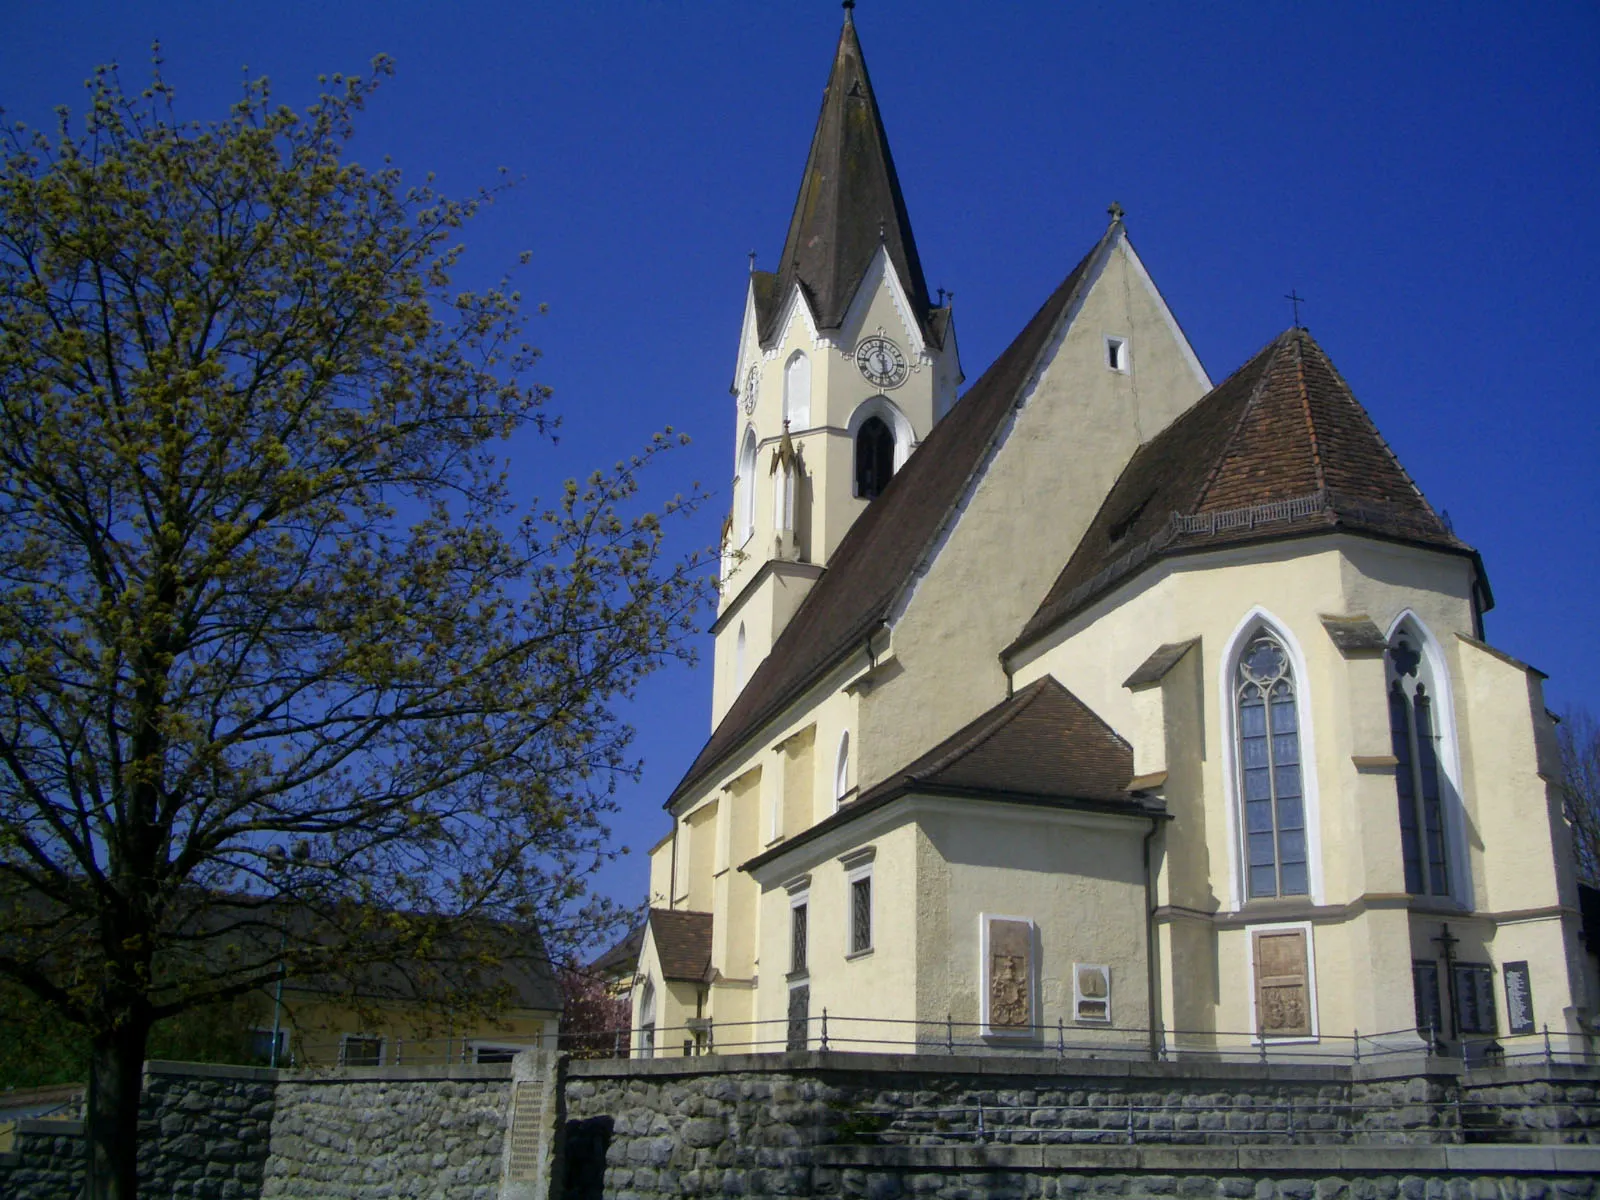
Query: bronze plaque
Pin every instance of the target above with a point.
(1010, 975)
(1283, 986)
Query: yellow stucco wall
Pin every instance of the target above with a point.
(1507, 864)
(1080, 424)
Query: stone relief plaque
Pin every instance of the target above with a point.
(1091, 992)
(1010, 974)
(799, 1034)
(1283, 992)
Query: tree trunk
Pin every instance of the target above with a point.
(111, 1130)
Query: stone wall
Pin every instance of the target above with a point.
(835, 1124)
(433, 1132)
(860, 1125)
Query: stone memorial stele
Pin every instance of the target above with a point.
(530, 1127)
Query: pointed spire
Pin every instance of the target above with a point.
(850, 200)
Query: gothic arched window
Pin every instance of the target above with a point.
(747, 486)
(1414, 735)
(874, 457)
(1271, 792)
(797, 390)
(647, 1021)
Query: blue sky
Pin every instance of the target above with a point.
(1428, 177)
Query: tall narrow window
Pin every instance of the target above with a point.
(1413, 732)
(738, 659)
(647, 1021)
(874, 457)
(797, 390)
(861, 913)
(841, 770)
(747, 486)
(798, 933)
(1270, 787)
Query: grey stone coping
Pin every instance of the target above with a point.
(1531, 1073)
(48, 1128)
(958, 1064)
(390, 1074)
(1556, 1160)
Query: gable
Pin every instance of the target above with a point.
(876, 558)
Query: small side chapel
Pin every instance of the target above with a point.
(1100, 704)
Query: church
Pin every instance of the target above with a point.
(1098, 706)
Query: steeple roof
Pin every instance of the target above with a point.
(1281, 448)
(849, 201)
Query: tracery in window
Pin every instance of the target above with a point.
(874, 457)
(1414, 736)
(1272, 795)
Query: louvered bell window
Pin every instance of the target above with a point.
(1270, 780)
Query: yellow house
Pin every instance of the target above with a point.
(1101, 707)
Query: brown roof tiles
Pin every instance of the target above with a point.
(1041, 746)
(683, 943)
(1281, 448)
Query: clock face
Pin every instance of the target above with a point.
(880, 362)
(752, 384)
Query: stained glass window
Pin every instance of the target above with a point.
(1269, 768)
(1413, 734)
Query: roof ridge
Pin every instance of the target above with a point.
(1079, 274)
(1271, 351)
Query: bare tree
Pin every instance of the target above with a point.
(1579, 738)
(286, 681)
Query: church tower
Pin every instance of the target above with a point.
(844, 365)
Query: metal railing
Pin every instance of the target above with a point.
(834, 1032)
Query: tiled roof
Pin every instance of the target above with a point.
(683, 943)
(849, 203)
(1280, 448)
(876, 558)
(1043, 745)
(622, 957)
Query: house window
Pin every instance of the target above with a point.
(1414, 735)
(1474, 986)
(484, 1053)
(797, 390)
(874, 457)
(1117, 353)
(358, 1050)
(1271, 793)
(747, 487)
(798, 933)
(861, 911)
(647, 1021)
(1425, 986)
(738, 659)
